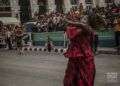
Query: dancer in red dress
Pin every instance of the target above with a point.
(81, 68)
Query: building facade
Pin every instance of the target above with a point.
(25, 9)
(5, 8)
(9, 8)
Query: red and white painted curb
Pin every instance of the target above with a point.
(57, 50)
(62, 50)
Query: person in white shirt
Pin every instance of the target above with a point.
(8, 39)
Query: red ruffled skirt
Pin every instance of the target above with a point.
(79, 73)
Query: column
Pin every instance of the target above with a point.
(102, 3)
(67, 5)
(51, 5)
(94, 3)
(15, 8)
(34, 7)
(83, 2)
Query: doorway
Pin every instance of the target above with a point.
(42, 6)
(59, 5)
(25, 10)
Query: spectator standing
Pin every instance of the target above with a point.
(49, 44)
(19, 36)
(117, 33)
(8, 35)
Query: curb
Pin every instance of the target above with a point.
(62, 50)
(107, 51)
(57, 50)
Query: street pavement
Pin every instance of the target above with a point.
(37, 68)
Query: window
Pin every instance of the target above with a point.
(5, 9)
(73, 2)
(108, 1)
(24, 2)
(42, 2)
(4, 2)
(5, 5)
(42, 6)
(88, 1)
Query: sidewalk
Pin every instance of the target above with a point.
(106, 50)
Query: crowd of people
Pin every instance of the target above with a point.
(55, 21)
(52, 21)
(49, 22)
(97, 18)
(12, 35)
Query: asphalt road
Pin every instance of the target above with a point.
(47, 69)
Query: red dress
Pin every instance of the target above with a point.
(81, 68)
